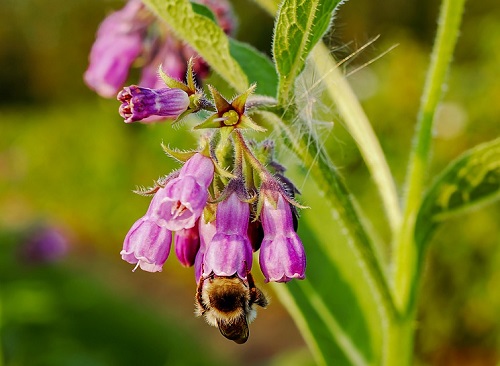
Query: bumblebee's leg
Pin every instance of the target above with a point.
(256, 295)
(199, 296)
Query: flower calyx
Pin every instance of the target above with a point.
(197, 100)
(230, 115)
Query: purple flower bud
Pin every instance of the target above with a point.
(147, 244)
(230, 251)
(185, 196)
(207, 232)
(282, 255)
(118, 43)
(187, 244)
(139, 103)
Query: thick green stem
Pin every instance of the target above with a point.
(399, 347)
(405, 250)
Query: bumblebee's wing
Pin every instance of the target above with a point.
(236, 329)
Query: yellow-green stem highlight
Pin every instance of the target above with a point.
(405, 250)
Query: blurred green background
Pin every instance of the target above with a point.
(68, 163)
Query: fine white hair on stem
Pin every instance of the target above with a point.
(315, 114)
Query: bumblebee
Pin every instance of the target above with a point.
(228, 303)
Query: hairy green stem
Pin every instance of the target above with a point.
(325, 175)
(405, 250)
(359, 127)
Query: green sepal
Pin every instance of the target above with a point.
(178, 155)
(221, 171)
(221, 103)
(194, 102)
(247, 123)
(147, 191)
(239, 102)
(190, 75)
(214, 121)
(183, 115)
(173, 83)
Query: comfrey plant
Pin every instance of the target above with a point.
(231, 197)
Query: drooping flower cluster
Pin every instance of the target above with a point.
(229, 199)
(220, 246)
(134, 35)
(249, 206)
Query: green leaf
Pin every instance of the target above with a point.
(469, 181)
(204, 10)
(206, 37)
(299, 26)
(257, 66)
(327, 311)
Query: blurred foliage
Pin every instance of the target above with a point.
(55, 315)
(67, 159)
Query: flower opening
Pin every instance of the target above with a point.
(186, 196)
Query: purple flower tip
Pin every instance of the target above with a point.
(282, 255)
(228, 255)
(147, 245)
(139, 103)
(282, 258)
